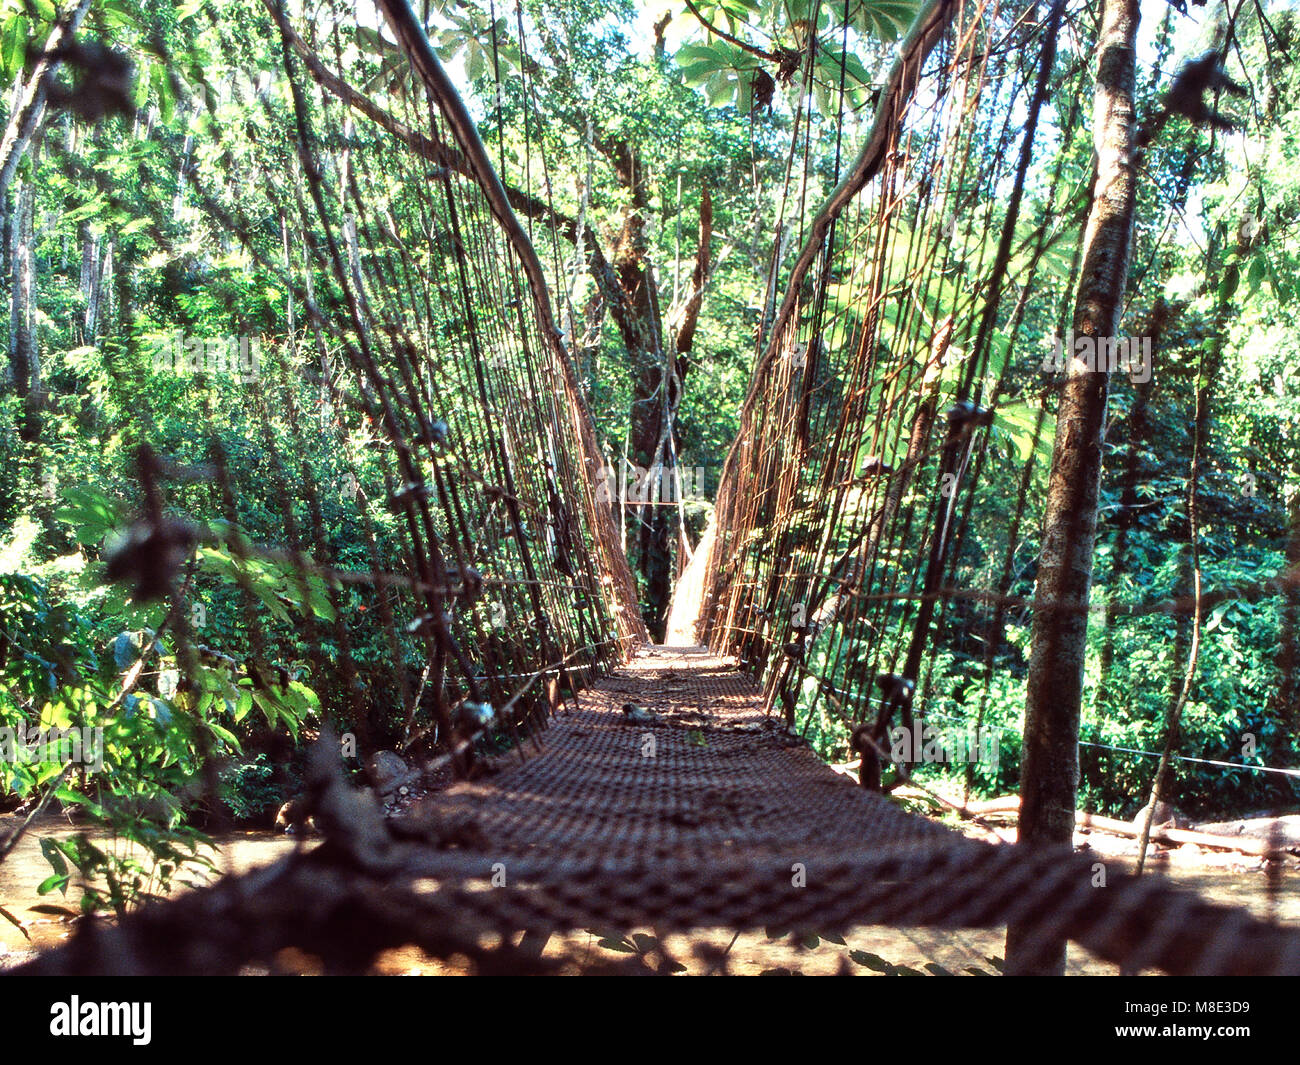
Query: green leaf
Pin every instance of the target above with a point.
(475, 60)
(1217, 615)
(372, 41)
(719, 90)
(52, 852)
(91, 514)
(697, 63)
(162, 87)
(885, 19)
(143, 79)
(1231, 278)
(1255, 276)
(119, 15)
(267, 705)
(225, 735)
(51, 882)
(69, 797)
(745, 95)
(1018, 421)
(16, 34)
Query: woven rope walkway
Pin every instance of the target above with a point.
(708, 816)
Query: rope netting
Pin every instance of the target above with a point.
(431, 463)
(862, 534)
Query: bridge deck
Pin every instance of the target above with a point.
(706, 816)
(709, 772)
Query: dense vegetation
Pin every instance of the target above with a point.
(667, 154)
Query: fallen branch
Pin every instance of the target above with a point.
(1010, 804)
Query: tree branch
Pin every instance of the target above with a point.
(433, 150)
(31, 105)
(690, 314)
(750, 48)
(443, 154)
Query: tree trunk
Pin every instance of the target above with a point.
(101, 274)
(1049, 772)
(641, 326)
(657, 368)
(23, 355)
(88, 250)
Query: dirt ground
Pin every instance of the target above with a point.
(1220, 876)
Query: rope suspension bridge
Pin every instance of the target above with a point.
(434, 411)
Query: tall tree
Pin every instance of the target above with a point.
(1049, 774)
